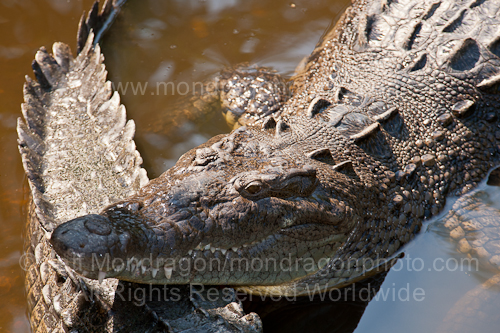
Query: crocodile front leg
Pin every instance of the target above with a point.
(245, 94)
(473, 225)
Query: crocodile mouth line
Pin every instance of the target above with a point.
(135, 268)
(235, 249)
(148, 268)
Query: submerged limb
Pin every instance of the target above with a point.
(474, 226)
(476, 308)
(250, 93)
(244, 94)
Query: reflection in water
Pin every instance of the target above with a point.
(472, 225)
(338, 310)
(185, 42)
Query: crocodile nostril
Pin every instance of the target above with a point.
(98, 225)
(82, 245)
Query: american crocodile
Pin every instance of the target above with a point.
(393, 112)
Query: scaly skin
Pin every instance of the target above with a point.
(79, 156)
(395, 110)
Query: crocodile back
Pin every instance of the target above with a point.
(405, 93)
(407, 79)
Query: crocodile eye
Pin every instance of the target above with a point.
(253, 188)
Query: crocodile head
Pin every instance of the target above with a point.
(234, 211)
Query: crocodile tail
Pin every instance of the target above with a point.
(74, 92)
(68, 103)
(97, 21)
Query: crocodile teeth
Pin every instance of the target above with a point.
(132, 268)
(168, 272)
(101, 276)
(211, 248)
(144, 269)
(154, 271)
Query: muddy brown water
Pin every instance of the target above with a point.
(185, 42)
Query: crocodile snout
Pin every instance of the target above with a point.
(97, 224)
(84, 240)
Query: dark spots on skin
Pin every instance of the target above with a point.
(494, 178)
(431, 11)
(455, 24)
(409, 44)
(491, 117)
(316, 106)
(495, 47)
(322, 155)
(466, 57)
(269, 123)
(281, 127)
(420, 64)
